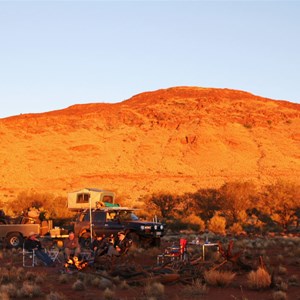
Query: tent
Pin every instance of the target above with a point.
(90, 198)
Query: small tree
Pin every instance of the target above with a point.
(281, 201)
(162, 204)
(217, 224)
(236, 199)
(48, 204)
(206, 202)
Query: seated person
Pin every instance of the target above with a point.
(121, 245)
(99, 245)
(71, 245)
(32, 243)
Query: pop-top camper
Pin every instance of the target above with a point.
(90, 198)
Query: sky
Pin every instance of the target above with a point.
(54, 54)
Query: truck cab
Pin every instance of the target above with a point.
(110, 220)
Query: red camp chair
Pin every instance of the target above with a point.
(175, 252)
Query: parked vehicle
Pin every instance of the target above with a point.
(108, 221)
(13, 231)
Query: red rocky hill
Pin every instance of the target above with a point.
(176, 140)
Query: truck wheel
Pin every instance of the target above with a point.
(14, 240)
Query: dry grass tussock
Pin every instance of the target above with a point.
(63, 278)
(4, 296)
(294, 280)
(279, 295)
(154, 289)
(30, 289)
(218, 278)
(55, 296)
(196, 289)
(282, 270)
(109, 294)
(11, 274)
(78, 285)
(259, 279)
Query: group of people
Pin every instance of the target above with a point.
(101, 245)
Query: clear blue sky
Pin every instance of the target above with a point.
(54, 54)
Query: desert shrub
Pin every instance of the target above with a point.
(283, 286)
(123, 285)
(4, 296)
(63, 278)
(259, 279)
(154, 289)
(55, 296)
(30, 276)
(204, 202)
(105, 283)
(176, 225)
(95, 282)
(280, 258)
(109, 294)
(195, 289)
(49, 205)
(279, 295)
(9, 290)
(217, 224)
(294, 280)
(281, 201)
(163, 204)
(194, 222)
(29, 289)
(236, 228)
(236, 198)
(78, 285)
(5, 276)
(218, 278)
(282, 270)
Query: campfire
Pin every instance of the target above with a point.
(75, 263)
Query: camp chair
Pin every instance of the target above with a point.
(29, 258)
(175, 252)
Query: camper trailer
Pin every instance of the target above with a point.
(90, 198)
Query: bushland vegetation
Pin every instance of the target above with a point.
(236, 207)
(42, 205)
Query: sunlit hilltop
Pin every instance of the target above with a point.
(177, 139)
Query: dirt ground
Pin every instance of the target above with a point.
(280, 256)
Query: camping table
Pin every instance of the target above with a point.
(205, 245)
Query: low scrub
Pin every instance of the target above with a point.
(218, 278)
(259, 279)
(154, 289)
(195, 289)
(279, 295)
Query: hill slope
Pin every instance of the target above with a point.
(177, 140)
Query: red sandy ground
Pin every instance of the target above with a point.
(236, 290)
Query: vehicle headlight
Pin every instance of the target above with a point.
(161, 227)
(155, 227)
(142, 227)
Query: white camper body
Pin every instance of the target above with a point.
(90, 198)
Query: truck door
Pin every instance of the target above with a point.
(112, 223)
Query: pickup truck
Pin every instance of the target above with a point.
(13, 231)
(13, 234)
(108, 221)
